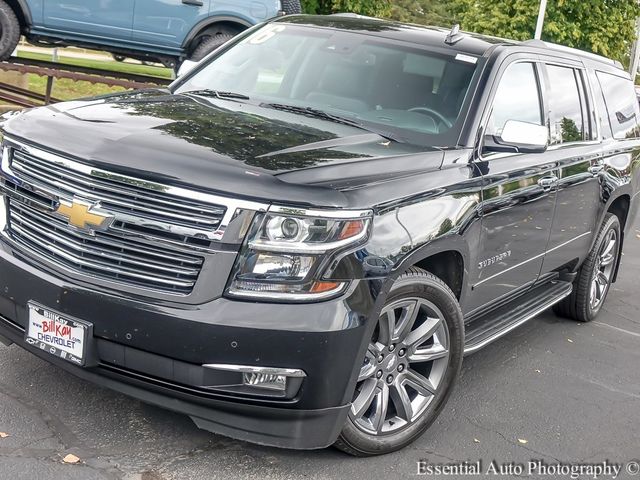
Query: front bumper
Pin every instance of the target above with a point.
(155, 352)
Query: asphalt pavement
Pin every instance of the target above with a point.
(553, 390)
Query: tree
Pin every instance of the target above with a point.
(569, 130)
(425, 12)
(374, 8)
(606, 27)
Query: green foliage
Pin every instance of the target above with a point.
(606, 27)
(374, 8)
(425, 12)
(312, 6)
(569, 129)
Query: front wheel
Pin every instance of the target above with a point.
(9, 31)
(291, 7)
(410, 368)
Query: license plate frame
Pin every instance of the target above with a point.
(58, 334)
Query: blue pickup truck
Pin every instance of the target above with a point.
(166, 31)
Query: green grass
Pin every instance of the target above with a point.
(124, 67)
(67, 89)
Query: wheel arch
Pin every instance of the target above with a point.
(451, 246)
(228, 21)
(446, 257)
(620, 206)
(23, 12)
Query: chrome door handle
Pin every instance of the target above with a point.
(547, 183)
(595, 169)
(195, 3)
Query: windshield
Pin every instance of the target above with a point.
(414, 94)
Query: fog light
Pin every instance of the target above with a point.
(273, 381)
(265, 380)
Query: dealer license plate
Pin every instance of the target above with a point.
(57, 334)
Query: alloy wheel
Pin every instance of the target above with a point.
(603, 272)
(403, 367)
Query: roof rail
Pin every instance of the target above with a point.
(353, 15)
(535, 42)
(577, 51)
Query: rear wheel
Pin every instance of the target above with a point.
(212, 41)
(410, 367)
(291, 7)
(9, 31)
(595, 277)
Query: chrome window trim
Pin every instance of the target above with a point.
(582, 71)
(488, 107)
(588, 96)
(595, 111)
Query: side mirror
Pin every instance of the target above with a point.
(518, 137)
(186, 67)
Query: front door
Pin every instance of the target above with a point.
(519, 195)
(167, 23)
(97, 19)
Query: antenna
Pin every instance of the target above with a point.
(454, 35)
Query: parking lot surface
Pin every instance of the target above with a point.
(552, 390)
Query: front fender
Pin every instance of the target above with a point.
(442, 219)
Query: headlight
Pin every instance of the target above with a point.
(287, 249)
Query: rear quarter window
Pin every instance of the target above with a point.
(622, 105)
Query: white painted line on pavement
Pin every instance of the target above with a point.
(628, 332)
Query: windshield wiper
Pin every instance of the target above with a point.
(218, 94)
(317, 113)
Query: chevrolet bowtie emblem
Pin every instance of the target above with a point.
(84, 215)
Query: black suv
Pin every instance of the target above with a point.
(296, 243)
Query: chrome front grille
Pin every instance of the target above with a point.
(103, 255)
(143, 200)
(159, 238)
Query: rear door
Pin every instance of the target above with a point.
(575, 147)
(518, 194)
(167, 22)
(96, 19)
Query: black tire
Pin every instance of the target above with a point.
(291, 7)
(415, 283)
(119, 58)
(209, 44)
(578, 306)
(9, 31)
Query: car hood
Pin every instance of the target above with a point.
(222, 146)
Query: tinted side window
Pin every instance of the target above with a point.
(622, 105)
(517, 98)
(566, 117)
(603, 119)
